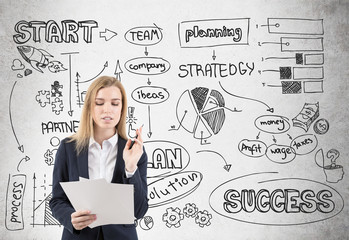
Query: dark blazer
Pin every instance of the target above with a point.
(69, 167)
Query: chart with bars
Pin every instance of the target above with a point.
(303, 41)
(42, 214)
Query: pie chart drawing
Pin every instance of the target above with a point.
(200, 111)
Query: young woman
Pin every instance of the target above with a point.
(99, 149)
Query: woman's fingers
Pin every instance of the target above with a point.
(139, 134)
(81, 219)
(128, 144)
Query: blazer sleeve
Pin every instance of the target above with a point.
(139, 181)
(60, 205)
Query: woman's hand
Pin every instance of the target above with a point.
(132, 156)
(81, 219)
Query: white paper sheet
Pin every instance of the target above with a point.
(111, 202)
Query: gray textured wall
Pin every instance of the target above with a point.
(246, 133)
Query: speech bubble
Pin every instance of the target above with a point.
(172, 188)
(165, 158)
(150, 95)
(304, 144)
(147, 65)
(252, 148)
(268, 199)
(144, 36)
(280, 153)
(272, 124)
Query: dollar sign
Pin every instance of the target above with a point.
(48, 157)
(323, 126)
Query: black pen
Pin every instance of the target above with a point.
(133, 142)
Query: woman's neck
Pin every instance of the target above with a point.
(103, 134)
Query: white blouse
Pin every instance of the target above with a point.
(102, 159)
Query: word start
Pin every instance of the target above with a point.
(67, 32)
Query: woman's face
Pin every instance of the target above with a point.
(106, 110)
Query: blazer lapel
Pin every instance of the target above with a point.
(83, 164)
(119, 164)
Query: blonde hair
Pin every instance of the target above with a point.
(86, 130)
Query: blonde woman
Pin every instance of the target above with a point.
(100, 149)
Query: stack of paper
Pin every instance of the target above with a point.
(112, 203)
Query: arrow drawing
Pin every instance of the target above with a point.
(70, 112)
(274, 139)
(150, 132)
(214, 55)
(34, 200)
(118, 71)
(251, 99)
(226, 166)
(78, 89)
(180, 123)
(26, 158)
(104, 67)
(217, 105)
(20, 147)
(146, 51)
(202, 138)
(107, 34)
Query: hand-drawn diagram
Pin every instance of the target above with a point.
(166, 163)
(226, 166)
(146, 223)
(274, 124)
(53, 97)
(174, 216)
(201, 111)
(39, 58)
(51, 153)
(308, 114)
(252, 197)
(214, 32)
(131, 121)
(269, 109)
(333, 172)
(217, 67)
(20, 147)
(41, 212)
(309, 79)
(14, 219)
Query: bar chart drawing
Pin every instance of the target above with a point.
(303, 41)
(42, 214)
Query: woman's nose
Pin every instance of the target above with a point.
(107, 107)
